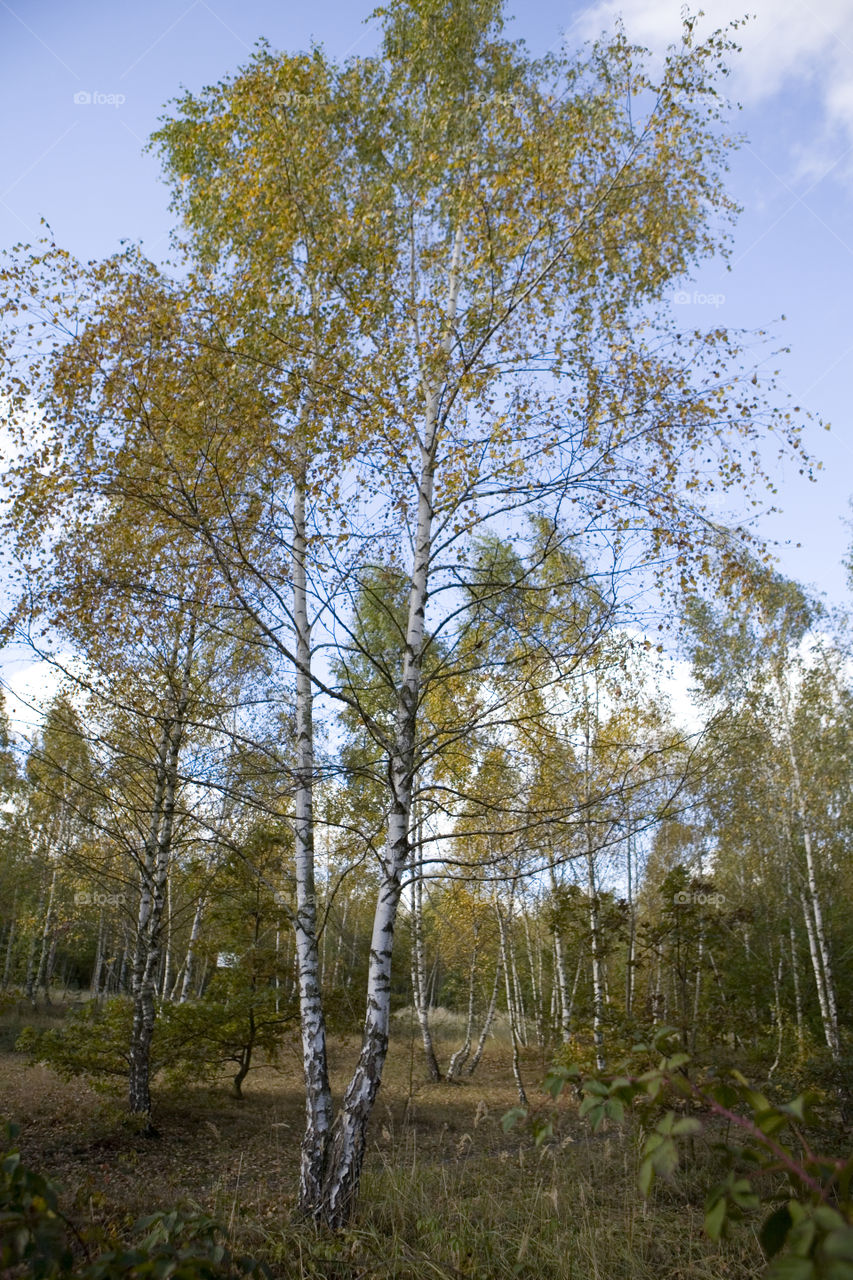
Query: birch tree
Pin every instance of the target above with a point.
(516, 218)
(446, 267)
(751, 662)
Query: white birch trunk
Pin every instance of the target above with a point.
(348, 1139)
(460, 1057)
(94, 985)
(632, 937)
(487, 1024)
(167, 959)
(594, 927)
(510, 1005)
(10, 944)
(560, 968)
(189, 962)
(42, 973)
(155, 871)
(318, 1098)
(826, 984)
(420, 992)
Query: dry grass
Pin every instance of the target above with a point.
(446, 1193)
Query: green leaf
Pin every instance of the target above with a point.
(743, 1195)
(541, 1131)
(836, 1269)
(791, 1269)
(801, 1236)
(615, 1110)
(715, 1219)
(665, 1158)
(590, 1105)
(839, 1243)
(770, 1122)
(512, 1118)
(774, 1231)
(828, 1219)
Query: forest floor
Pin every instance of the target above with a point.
(446, 1192)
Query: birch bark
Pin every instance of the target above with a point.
(813, 911)
(318, 1098)
(347, 1144)
(154, 873)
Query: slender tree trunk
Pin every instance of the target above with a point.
(697, 991)
(318, 1097)
(658, 998)
(510, 1005)
(535, 983)
(595, 951)
(41, 973)
(460, 1057)
(51, 962)
(123, 966)
(346, 1151)
(189, 962)
(576, 983)
(167, 958)
(346, 1148)
(487, 1024)
(245, 1063)
(632, 936)
(562, 977)
(826, 985)
(10, 943)
(339, 948)
(175, 993)
(816, 966)
(157, 854)
(795, 974)
(146, 950)
(95, 982)
(419, 960)
(592, 890)
(30, 981)
(776, 971)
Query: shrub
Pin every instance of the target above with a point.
(35, 1237)
(807, 1229)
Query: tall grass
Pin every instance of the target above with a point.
(567, 1211)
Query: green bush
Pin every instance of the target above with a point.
(805, 1198)
(35, 1237)
(192, 1042)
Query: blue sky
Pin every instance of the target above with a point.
(83, 84)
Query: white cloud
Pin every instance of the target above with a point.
(28, 685)
(783, 43)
